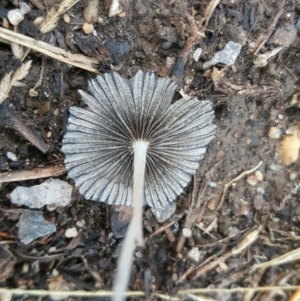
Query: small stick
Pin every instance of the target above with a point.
(248, 240)
(263, 38)
(242, 175)
(197, 31)
(77, 60)
(37, 4)
(38, 173)
(7, 118)
(162, 228)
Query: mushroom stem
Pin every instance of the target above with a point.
(139, 165)
(134, 235)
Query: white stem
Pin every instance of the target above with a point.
(134, 235)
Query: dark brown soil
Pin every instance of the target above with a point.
(248, 100)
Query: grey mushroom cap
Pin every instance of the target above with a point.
(98, 145)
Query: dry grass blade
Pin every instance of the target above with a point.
(51, 18)
(137, 294)
(11, 78)
(38, 173)
(17, 50)
(283, 259)
(5, 86)
(77, 60)
(243, 174)
(21, 72)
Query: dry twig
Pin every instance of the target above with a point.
(263, 38)
(197, 31)
(239, 248)
(242, 175)
(38, 173)
(181, 293)
(283, 259)
(77, 60)
(195, 209)
(37, 4)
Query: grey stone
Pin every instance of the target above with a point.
(227, 56)
(120, 217)
(117, 48)
(168, 33)
(32, 225)
(51, 192)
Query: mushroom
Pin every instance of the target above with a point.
(134, 147)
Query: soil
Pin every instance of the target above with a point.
(248, 100)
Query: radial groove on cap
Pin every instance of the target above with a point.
(98, 145)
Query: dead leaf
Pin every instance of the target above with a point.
(11, 78)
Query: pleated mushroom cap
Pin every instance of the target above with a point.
(98, 145)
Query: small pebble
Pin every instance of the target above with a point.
(67, 18)
(174, 277)
(260, 190)
(275, 167)
(197, 54)
(37, 21)
(232, 231)
(293, 176)
(252, 180)
(81, 223)
(88, 28)
(54, 273)
(24, 8)
(15, 17)
(258, 202)
(194, 254)
(56, 112)
(213, 184)
(170, 61)
(187, 232)
(51, 207)
(220, 154)
(211, 204)
(274, 132)
(33, 93)
(122, 14)
(71, 232)
(25, 268)
(52, 249)
(259, 176)
(11, 156)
